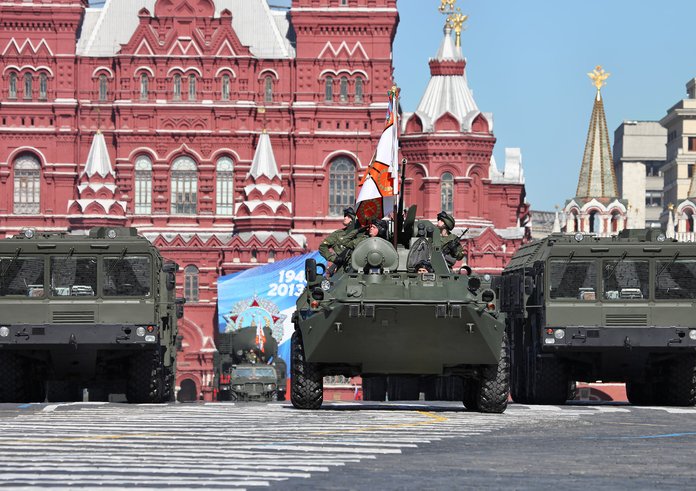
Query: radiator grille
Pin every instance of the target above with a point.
(73, 317)
(626, 320)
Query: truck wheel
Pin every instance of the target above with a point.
(12, 383)
(493, 386)
(680, 383)
(374, 387)
(307, 383)
(144, 379)
(63, 391)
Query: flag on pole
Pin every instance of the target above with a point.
(379, 185)
(260, 338)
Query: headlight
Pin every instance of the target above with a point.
(661, 238)
(270, 386)
(150, 338)
(326, 285)
(5, 331)
(29, 233)
(140, 331)
(111, 234)
(559, 334)
(692, 334)
(238, 387)
(579, 237)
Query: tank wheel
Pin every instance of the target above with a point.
(374, 387)
(680, 383)
(13, 387)
(403, 388)
(145, 378)
(493, 386)
(63, 391)
(307, 383)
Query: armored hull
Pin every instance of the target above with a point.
(379, 317)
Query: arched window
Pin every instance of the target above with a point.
(192, 87)
(358, 89)
(184, 187)
(103, 88)
(328, 93)
(144, 86)
(689, 221)
(225, 186)
(615, 222)
(595, 226)
(447, 193)
(191, 283)
(344, 89)
(27, 185)
(28, 85)
(143, 185)
(225, 96)
(268, 89)
(341, 185)
(43, 86)
(177, 87)
(12, 92)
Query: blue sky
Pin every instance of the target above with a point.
(527, 64)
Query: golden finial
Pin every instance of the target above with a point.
(457, 21)
(446, 6)
(670, 206)
(598, 77)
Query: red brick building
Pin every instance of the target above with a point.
(230, 133)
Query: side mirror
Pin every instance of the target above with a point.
(171, 281)
(310, 271)
(180, 307)
(170, 267)
(528, 285)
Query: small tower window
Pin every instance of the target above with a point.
(144, 86)
(268, 89)
(191, 283)
(225, 88)
(192, 88)
(341, 185)
(13, 86)
(177, 87)
(28, 85)
(447, 192)
(358, 89)
(103, 88)
(344, 89)
(43, 86)
(328, 91)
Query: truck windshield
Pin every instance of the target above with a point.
(573, 280)
(23, 276)
(128, 276)
(676, 280)
(254, 372)
(626, 279)
(73, 276)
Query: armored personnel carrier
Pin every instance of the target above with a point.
(620, 309)
(245, 371)
(94, 311)
(379, 318)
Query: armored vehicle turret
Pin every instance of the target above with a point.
(94, 311)
(380, 318)
(619, 309)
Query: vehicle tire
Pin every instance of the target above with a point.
(63, 391)
(469, 396)
(449, 388)
(680, 383)
(403, 388)
(233, 396)
(307, 383)
(518, 366)
(493, 387)
(35, 376)
(168, 383)
(374, 387)
(145, 378)
(13, 386)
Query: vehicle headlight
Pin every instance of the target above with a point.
(661, 238)
(326, 285)
(692, 334)
(5, 331)
(579, 237)
(150, 338)
(111, 234)
(270, 386)
(238, 387)
(559, 334)
(140, 331)
(29, 233)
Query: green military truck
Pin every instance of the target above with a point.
(398, 328)
(95, 311)
(247, 369)
(619, 309)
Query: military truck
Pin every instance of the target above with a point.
(379, 318)
(95, 311)
(247, 368)
(620, 309)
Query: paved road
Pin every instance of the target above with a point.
(345, 446)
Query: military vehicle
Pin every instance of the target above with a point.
(620, 309)
(379, 318)
(95, 311)
(247, 368)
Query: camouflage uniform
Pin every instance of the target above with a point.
(337, 242)
(451, 247)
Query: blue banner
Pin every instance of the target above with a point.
(264, 295)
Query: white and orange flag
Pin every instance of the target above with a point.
(260, 338)
(380, 184)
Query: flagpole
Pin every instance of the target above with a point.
(395, 219)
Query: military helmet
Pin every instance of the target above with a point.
(424, 264)
(349, 212)
(447, 219)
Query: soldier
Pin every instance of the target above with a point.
(424, 267)
(451, 247)
(338, 241)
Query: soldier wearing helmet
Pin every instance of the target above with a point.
(451, 247)
(338, 241)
